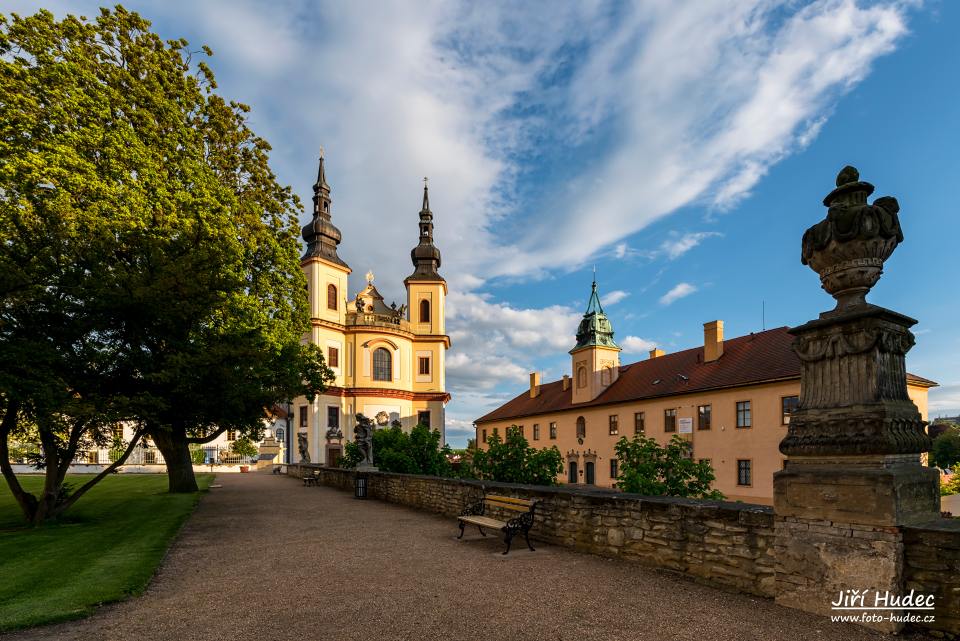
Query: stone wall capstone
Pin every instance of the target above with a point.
(728, 545)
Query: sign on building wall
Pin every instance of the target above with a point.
(686, 426)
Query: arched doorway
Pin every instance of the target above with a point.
(572, 477)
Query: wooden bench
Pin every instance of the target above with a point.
(476, 514)
(312, 479)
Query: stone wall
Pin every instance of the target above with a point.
(728, 545)
(932, 560)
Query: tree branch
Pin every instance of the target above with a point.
(86, 486)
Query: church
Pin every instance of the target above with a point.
(388, 360)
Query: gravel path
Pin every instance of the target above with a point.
(266, 558)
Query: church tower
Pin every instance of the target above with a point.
(595, 357)
(325, 271)
(426, 289)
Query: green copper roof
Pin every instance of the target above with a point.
(595, 328)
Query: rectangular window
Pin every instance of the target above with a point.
(520, 430)
(231, 435)
(536, 431)
(613, 468)
(553, 431)
(424, 362)
(744, 476)
(333, 416)
(670, 420)
(423, 418)
(303, 416)
(333, 357)
(743, 414)
(787, 406)
(639, 423)
(496, 431)
(484, 436)
(614, 424)
(703, 417)
(118, 432)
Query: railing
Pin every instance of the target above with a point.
(151, 456)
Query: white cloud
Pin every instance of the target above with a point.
(636, 345)
(756, 88)
(456, 91)
(614, 297)
(676, 247)
(679, 291)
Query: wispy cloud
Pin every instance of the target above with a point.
(614, 297)
(676, 247)
(680, 290)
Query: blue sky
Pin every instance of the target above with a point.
(680, 147)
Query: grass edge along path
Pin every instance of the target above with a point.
(105, 549)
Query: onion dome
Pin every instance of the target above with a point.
(320, 234)
(425, 256)
(595, 328)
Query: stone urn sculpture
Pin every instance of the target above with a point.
(848, 248)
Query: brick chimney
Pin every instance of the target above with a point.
(566, 382)
(712, 340)
(656, 352)
(534, 384)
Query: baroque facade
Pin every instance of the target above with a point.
(731, 400)
(388, 360)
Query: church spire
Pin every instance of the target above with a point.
(595, 328)
(320, 234)
(425, 256)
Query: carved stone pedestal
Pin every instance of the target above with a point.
(854, 474)
(853, 477)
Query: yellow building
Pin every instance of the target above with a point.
(388, 360)
(730, 399)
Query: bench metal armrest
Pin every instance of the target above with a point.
(523, 522)
(474, 509)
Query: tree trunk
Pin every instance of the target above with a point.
(26, 501)
(175, 448)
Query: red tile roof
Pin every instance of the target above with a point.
(747, 360)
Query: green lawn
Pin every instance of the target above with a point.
(106, 547)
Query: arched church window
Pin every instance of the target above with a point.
(382, 364)
(581, 377)
(331, 296)
(581, 427)
(605, 376)
(424, 311)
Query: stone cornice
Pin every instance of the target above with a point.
(380, 329)
(378, 392)
(317, 259)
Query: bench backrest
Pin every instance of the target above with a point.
(507, 503)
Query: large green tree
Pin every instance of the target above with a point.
(143, 239)
(646, 467)
(512, 460)
(945, 452)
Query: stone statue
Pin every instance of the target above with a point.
(363, 436)
(848, 248)
(303, 447)
(359, 304)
